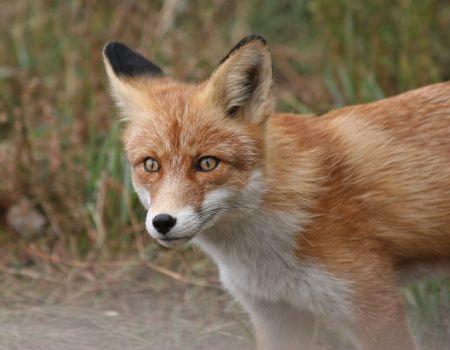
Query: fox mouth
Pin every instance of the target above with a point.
(168, 239)
(173, 242)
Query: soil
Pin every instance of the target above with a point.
(143, 311)
(132, 309)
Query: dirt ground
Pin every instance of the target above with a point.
(141, 311)
(134, 309)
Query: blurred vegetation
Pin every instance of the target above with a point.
(59, 141)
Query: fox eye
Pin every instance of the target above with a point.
(207, 163)
(151, 165)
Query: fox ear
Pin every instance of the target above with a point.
(242, 83)
(128, 71)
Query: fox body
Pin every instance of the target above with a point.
(307, 217)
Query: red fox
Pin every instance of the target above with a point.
(306, 217)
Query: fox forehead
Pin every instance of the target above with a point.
(178, 120)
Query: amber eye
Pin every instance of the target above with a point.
(151, 165)
(207, 163)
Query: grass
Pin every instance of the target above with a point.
(59, 139)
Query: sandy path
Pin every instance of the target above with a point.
(122, 315)
(133, 310)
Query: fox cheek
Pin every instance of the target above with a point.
(216, 198)
(143, 194)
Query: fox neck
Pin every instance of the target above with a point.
(260, 232)
(253, 253)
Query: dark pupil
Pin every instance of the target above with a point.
(208, 164)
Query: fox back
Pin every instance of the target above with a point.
(306, 217)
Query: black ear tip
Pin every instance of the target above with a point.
(113, 47)
(243, 42)
(126, 62)
(253, 37)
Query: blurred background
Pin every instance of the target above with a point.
(68, 216)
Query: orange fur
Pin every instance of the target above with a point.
(369, 184)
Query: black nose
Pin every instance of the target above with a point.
(163, 223)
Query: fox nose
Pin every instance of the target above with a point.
(163, 223)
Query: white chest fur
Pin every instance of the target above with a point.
(256, 259)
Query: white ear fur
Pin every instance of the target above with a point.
(124, 94)
(242, 84)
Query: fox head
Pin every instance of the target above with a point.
(195, 150)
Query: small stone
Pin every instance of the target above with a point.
(111, 313)
(25, 219)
